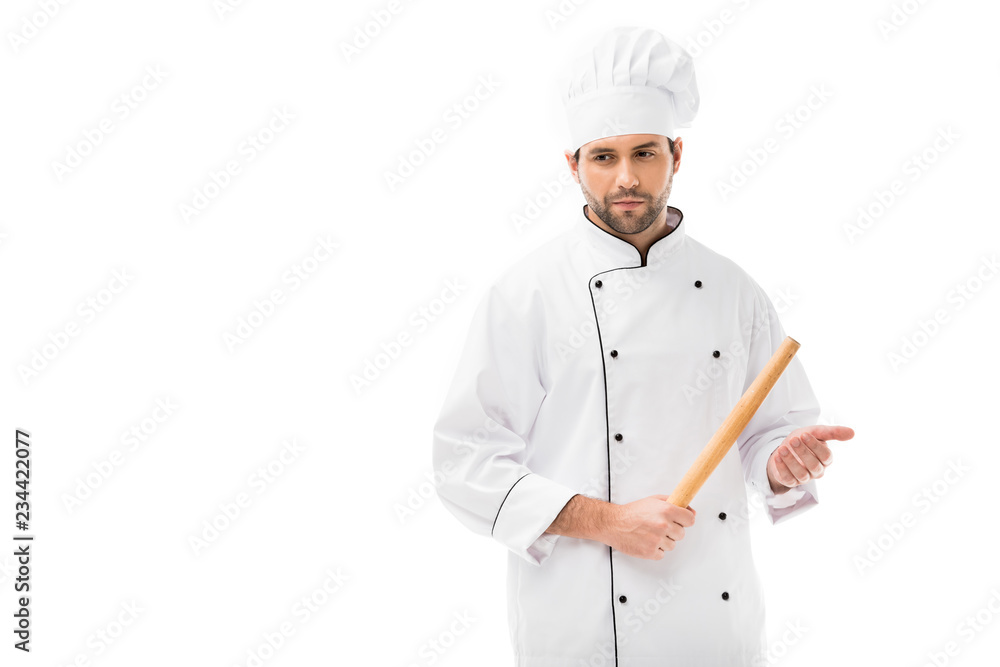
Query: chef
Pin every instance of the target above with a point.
(595, 370)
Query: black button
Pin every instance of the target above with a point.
(622, 599)
(697, 283)
(618, 437)
(725, 595)
(598, 284)
(716, 354)
(722, 515)
(614, 353)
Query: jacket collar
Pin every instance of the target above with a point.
(621, 253)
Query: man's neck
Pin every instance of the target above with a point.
(641, 240)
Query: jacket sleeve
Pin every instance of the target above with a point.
(790, 405)
(479, 440)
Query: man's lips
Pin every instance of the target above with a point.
(628, 203)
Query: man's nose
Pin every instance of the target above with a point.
(626, 176)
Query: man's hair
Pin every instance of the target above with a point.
(670, 142)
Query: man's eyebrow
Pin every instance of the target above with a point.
(604, 149)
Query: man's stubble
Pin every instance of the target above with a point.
(627, 222)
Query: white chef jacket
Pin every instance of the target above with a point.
(586, 371)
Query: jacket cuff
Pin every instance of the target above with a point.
(531, 505)
(786, 505)
(794, 501)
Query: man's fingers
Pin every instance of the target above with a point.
(784, 474)
(818, 447)
(684, 519)
(823, 432)
(795, 468)
(781, 473)
(813, 454)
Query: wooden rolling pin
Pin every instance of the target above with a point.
(737, 420)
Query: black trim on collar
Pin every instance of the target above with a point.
(642, 259)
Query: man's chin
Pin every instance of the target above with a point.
(628, 227)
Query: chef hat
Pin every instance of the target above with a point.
(634, 81)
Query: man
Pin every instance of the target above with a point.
(595, 371)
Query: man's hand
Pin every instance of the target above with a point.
(648, 528)
(804, 455)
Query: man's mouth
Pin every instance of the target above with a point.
(628, 203)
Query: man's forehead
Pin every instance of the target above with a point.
(626, 142)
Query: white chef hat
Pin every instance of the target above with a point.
(634, 81)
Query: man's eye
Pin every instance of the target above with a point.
(598, 158)
(646, 152)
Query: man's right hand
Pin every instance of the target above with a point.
(648, 528)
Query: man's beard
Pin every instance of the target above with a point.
(627, 222)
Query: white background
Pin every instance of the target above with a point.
(335, 507)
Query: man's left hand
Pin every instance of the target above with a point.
(803, 456)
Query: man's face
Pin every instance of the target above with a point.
(627, 179)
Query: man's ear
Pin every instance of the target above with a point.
(574, 168)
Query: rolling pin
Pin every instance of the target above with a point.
(734, 424)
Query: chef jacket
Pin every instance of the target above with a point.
(587, 371)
